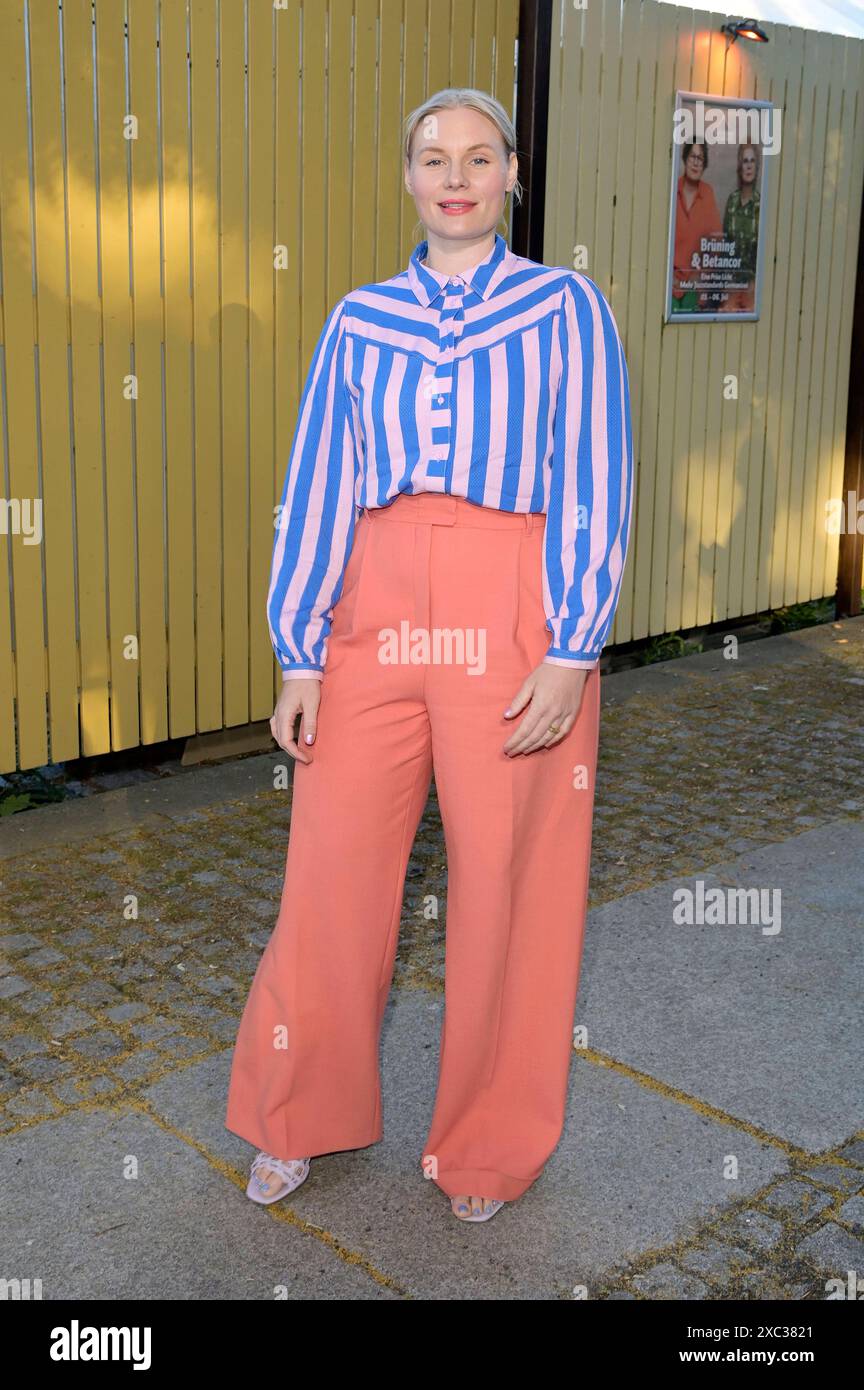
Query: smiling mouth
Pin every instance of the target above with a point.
(458, 204)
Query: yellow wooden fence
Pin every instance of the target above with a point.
(154, 155)
(731, 494)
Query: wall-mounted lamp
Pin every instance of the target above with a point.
(744, 29)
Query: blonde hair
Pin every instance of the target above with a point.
(450, 98)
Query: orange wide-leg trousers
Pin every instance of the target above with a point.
(466, 581)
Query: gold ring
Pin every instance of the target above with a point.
(554, 728)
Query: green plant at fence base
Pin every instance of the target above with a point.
(28, 797)
(667, 648)
(671, 645)
(796, 615)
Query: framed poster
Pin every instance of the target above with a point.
(721, 149)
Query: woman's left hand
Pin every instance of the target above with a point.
(555, 693)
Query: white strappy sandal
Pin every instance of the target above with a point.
(292, 1171)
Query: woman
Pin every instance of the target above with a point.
(696, 216)
(460, 480)
(741, 225)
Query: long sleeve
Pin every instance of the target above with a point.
(316, 517)
(591, 484)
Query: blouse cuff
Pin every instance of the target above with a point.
(290, 673)
(582, 663)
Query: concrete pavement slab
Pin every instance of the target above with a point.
(179, 1230)
(765, 1027)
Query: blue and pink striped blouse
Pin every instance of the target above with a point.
(505, 384)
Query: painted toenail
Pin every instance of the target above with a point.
(462, 1206)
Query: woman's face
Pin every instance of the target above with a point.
(748, 165)
(694, 164)
(459, 174)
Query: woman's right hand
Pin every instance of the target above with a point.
(299, 695)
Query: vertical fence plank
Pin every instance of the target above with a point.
(817, 66)
(364, 155)
(627, 307)
(339, 142)
(784, 345)
(148, 415)
(314, 305)
(461, 32)
(608, 133)
(739, 341)
(437, 45)
(587, 145)
(288, 239)
(678, 372)
(414, 88)
(86, 375)
(660, 357)
(708, 543)
(843, 196)
(745, 596)
(506, 32)
(559, 205)
(234, 324)
(114, 153)
(207, 398)
(52, 311)
(389, 182)
(262, 239)
(834, 198)
(630, 270)
(483, 57)
(179, 483)
(27, 674)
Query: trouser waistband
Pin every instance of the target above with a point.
(440, 509)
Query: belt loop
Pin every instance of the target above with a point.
(529, 517)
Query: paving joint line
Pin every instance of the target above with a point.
(702, 1107)
(286, 1214)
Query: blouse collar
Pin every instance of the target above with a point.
(481, 278)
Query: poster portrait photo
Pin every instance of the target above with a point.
(721, 153)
